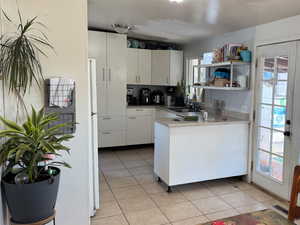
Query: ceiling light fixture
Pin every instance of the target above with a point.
(177, 1)
(121, 28)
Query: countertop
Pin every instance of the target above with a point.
(169, 122)
(236, 118)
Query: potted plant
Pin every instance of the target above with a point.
(30, 177)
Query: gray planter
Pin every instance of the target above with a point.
(29, 203)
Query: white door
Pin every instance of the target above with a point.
(273, 161)
(132, 66)
(116, 91)
(144, 66)
(98, 51)
(93, 153)
(160, 67)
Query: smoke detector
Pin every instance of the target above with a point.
(121, 28)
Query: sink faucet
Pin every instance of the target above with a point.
(204, 115)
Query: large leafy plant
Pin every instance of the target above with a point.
(19, 54)
(27, 147)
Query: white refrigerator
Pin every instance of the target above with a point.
(93, 140)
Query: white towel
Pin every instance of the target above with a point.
(61, 92)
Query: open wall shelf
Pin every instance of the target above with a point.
(204, 74)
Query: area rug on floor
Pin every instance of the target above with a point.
(264, 217)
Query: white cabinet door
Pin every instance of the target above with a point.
(176, 67)
(144, 66)
(160, 74)
(116, 61)
(98, 51)
(112, 138)
(132, 65)
(139, 130)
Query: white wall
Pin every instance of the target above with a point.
(67, 30)
(235, 101)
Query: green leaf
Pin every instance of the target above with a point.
(11, 124)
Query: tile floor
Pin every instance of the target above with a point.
(130, 195)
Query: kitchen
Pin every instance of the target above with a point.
(174, 115)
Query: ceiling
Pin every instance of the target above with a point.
(183, 22)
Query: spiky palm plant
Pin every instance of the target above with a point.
(20, 65)
(26, 147)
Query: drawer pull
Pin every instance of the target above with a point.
(106, 133)
(107, 118)
(140, 110)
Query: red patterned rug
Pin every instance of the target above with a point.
(264, 217)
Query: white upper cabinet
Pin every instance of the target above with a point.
(176, 67)
(138, 66)
(144, 66)
(110, 51)
(117, 70)
(132, 65)
(167, 67)
(98, 51)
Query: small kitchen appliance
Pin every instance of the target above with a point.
(145, 94)
(157, 98)
(131, 99)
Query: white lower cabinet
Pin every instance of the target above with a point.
(112, 131)
(139, 129)
(112, 138)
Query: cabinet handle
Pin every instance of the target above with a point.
(140, 110)
(139, 79)
(136, 79)
(103, 74)
(167, 80)
(106, 118)
(106, 133)
(132, 118)
(109, 75)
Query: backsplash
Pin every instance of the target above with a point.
(137, 88)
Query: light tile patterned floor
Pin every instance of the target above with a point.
(130, 195)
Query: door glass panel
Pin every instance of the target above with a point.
(278, 143)
(281, 93)
(268, 73)
(279, 114)
(282, 68)
(272, 108)
(264, 162)
(277, 167)
(266, 116)
(267, 92)
(265, 139)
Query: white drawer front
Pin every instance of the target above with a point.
(111, 139)
(140, 111)
(111, 123)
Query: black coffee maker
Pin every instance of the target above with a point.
(145, 96)
(157, 98)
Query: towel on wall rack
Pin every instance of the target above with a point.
(61, 92)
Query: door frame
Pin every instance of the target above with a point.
(253, 117)
(94, 190)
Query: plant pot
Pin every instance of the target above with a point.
(29, 203)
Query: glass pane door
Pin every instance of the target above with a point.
(272, 117)
(273, 163)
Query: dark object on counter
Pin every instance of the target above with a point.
(179, 101)
(145, 96)
(171, 90)
(157, 98)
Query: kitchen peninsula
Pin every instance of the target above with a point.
(188, 152)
